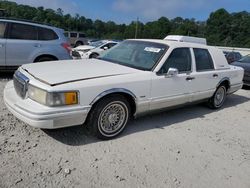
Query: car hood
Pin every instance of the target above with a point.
(84, 47)
(60, 72)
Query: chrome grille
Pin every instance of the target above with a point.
(20, 83)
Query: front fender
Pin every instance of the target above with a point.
(114, 90)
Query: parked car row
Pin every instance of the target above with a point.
(25, 42)
(93, 50)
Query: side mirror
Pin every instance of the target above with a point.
(172, 72)
(105, 48)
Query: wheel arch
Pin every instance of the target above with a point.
(130, 96)
(94, 53)
(79, 41)
(45, 55)
(225, 81)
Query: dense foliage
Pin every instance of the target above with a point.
(221, 28)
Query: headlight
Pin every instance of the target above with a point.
(62, 98)
(52, 98)
(37, 94)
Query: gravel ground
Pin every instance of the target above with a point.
(188, 147)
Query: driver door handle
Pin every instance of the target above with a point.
(37, 45)
(215, 75)
(190, 78)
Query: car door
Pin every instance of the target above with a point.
(2, 43)
(170, 90)
(21, 44)
(205, 79)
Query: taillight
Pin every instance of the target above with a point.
(67, 47)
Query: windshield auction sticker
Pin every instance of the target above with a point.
(152, 49)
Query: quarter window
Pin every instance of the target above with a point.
(2, 29)
(180, 58)
(23, 32)
(203, 60)
(46, 34)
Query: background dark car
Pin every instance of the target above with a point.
(232, 56)
(245, 64)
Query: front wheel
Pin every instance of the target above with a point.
(94, 55)
(218, 99)
(109, 117)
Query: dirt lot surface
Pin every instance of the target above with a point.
(189, 147)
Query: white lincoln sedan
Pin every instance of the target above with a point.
(133, 78)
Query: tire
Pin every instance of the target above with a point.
(79, 43)
(93, 56)
(109, 117)
(45, 58)
(219, 97)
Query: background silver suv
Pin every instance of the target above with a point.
(25, 42)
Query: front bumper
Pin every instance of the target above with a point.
(41, 116)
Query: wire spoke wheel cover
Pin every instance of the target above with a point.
(219, 96)
(113, 118)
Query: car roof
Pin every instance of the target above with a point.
(74, 32)
(175, 43)
(29, 23)
(107, 41)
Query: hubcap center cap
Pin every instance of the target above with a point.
(112, 118)
(218, 96)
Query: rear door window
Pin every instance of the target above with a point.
(23, 32)
(81, 35)
(73, 35)
(2, 29)
(46, 34)
(203, 60)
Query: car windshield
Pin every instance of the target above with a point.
(97, 43)
(245, 59)
(136, 54)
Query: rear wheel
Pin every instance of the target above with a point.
(109, 117)
(79, 43)
(219, 97)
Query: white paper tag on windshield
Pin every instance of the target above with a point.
(152, 49)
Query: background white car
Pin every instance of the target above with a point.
(92, 50)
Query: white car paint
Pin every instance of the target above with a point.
(85, 51)
(93, 79)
